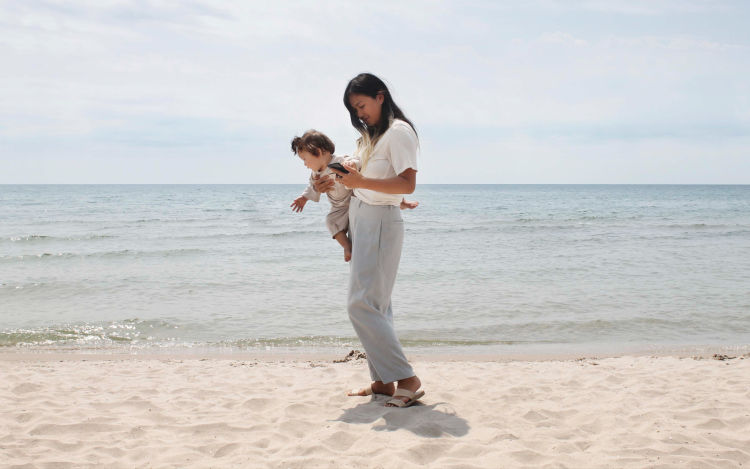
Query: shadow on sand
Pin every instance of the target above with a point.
(420, 419)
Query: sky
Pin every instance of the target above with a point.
(500, 92)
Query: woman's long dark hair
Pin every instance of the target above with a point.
(369, 85)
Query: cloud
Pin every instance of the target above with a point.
(639, 7)
(121, 76)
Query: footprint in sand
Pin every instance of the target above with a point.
(25, 388)
(226, 450)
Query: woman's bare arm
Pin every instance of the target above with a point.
(404, 183)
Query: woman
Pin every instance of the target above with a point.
(387, 150)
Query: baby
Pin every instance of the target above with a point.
(316, 151)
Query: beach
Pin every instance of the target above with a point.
(205, 326)
(291, 411)
(548, 226)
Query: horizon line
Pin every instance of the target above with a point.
(421, 184)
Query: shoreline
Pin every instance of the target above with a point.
(291, 355)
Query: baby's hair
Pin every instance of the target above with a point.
(312, 141)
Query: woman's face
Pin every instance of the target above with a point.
(368, 109)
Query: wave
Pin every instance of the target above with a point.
(27, 238)
(693, 235)
(291, 233)
(102, 337)
(173, 334)
(37, 238)
(239, 210)
(246, 235)
(612, 217)
(498, 228)
(69, 334)
(95, 335)
(574, 331)
(106, 254)
(698, 226)
(168, 220)
(272, 234)
(344, 341)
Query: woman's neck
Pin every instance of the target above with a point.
(378, 130)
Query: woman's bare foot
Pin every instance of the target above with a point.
(378, 387)
(412, 384)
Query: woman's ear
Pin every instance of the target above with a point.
(380, 97)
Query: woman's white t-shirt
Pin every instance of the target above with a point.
(394, 153)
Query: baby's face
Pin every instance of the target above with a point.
(313, 162)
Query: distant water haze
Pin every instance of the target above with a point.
(491, 268)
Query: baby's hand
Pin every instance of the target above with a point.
(299, 204)
(410, 205)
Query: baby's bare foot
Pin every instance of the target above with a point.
(348, 250)
(410, 205)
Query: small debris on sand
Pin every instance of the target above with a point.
(353, 355)
(583, 359)
(722, 357)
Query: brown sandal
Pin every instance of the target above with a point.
(413, 397)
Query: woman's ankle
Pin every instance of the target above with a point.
(411, 382)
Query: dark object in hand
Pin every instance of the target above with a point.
(339, 167)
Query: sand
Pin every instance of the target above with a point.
(67, 410)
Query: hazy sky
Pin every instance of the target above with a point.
(501, 92)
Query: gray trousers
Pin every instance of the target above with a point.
(377, 233)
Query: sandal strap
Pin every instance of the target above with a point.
(396, 402)
(405, 393)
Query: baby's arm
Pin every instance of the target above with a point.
(309, 194)
(299, 203)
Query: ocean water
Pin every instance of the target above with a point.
(485, 268)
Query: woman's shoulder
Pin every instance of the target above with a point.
(399, 124)
(400, 127)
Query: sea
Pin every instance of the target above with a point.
(488, 269)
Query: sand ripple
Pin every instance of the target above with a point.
(628, 412)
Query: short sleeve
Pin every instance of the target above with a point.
(355, 160)
(402, 147)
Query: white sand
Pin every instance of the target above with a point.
(78, 411)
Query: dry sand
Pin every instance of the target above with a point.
(279, 412)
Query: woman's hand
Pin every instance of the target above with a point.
(323, 185)
(353, 179)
